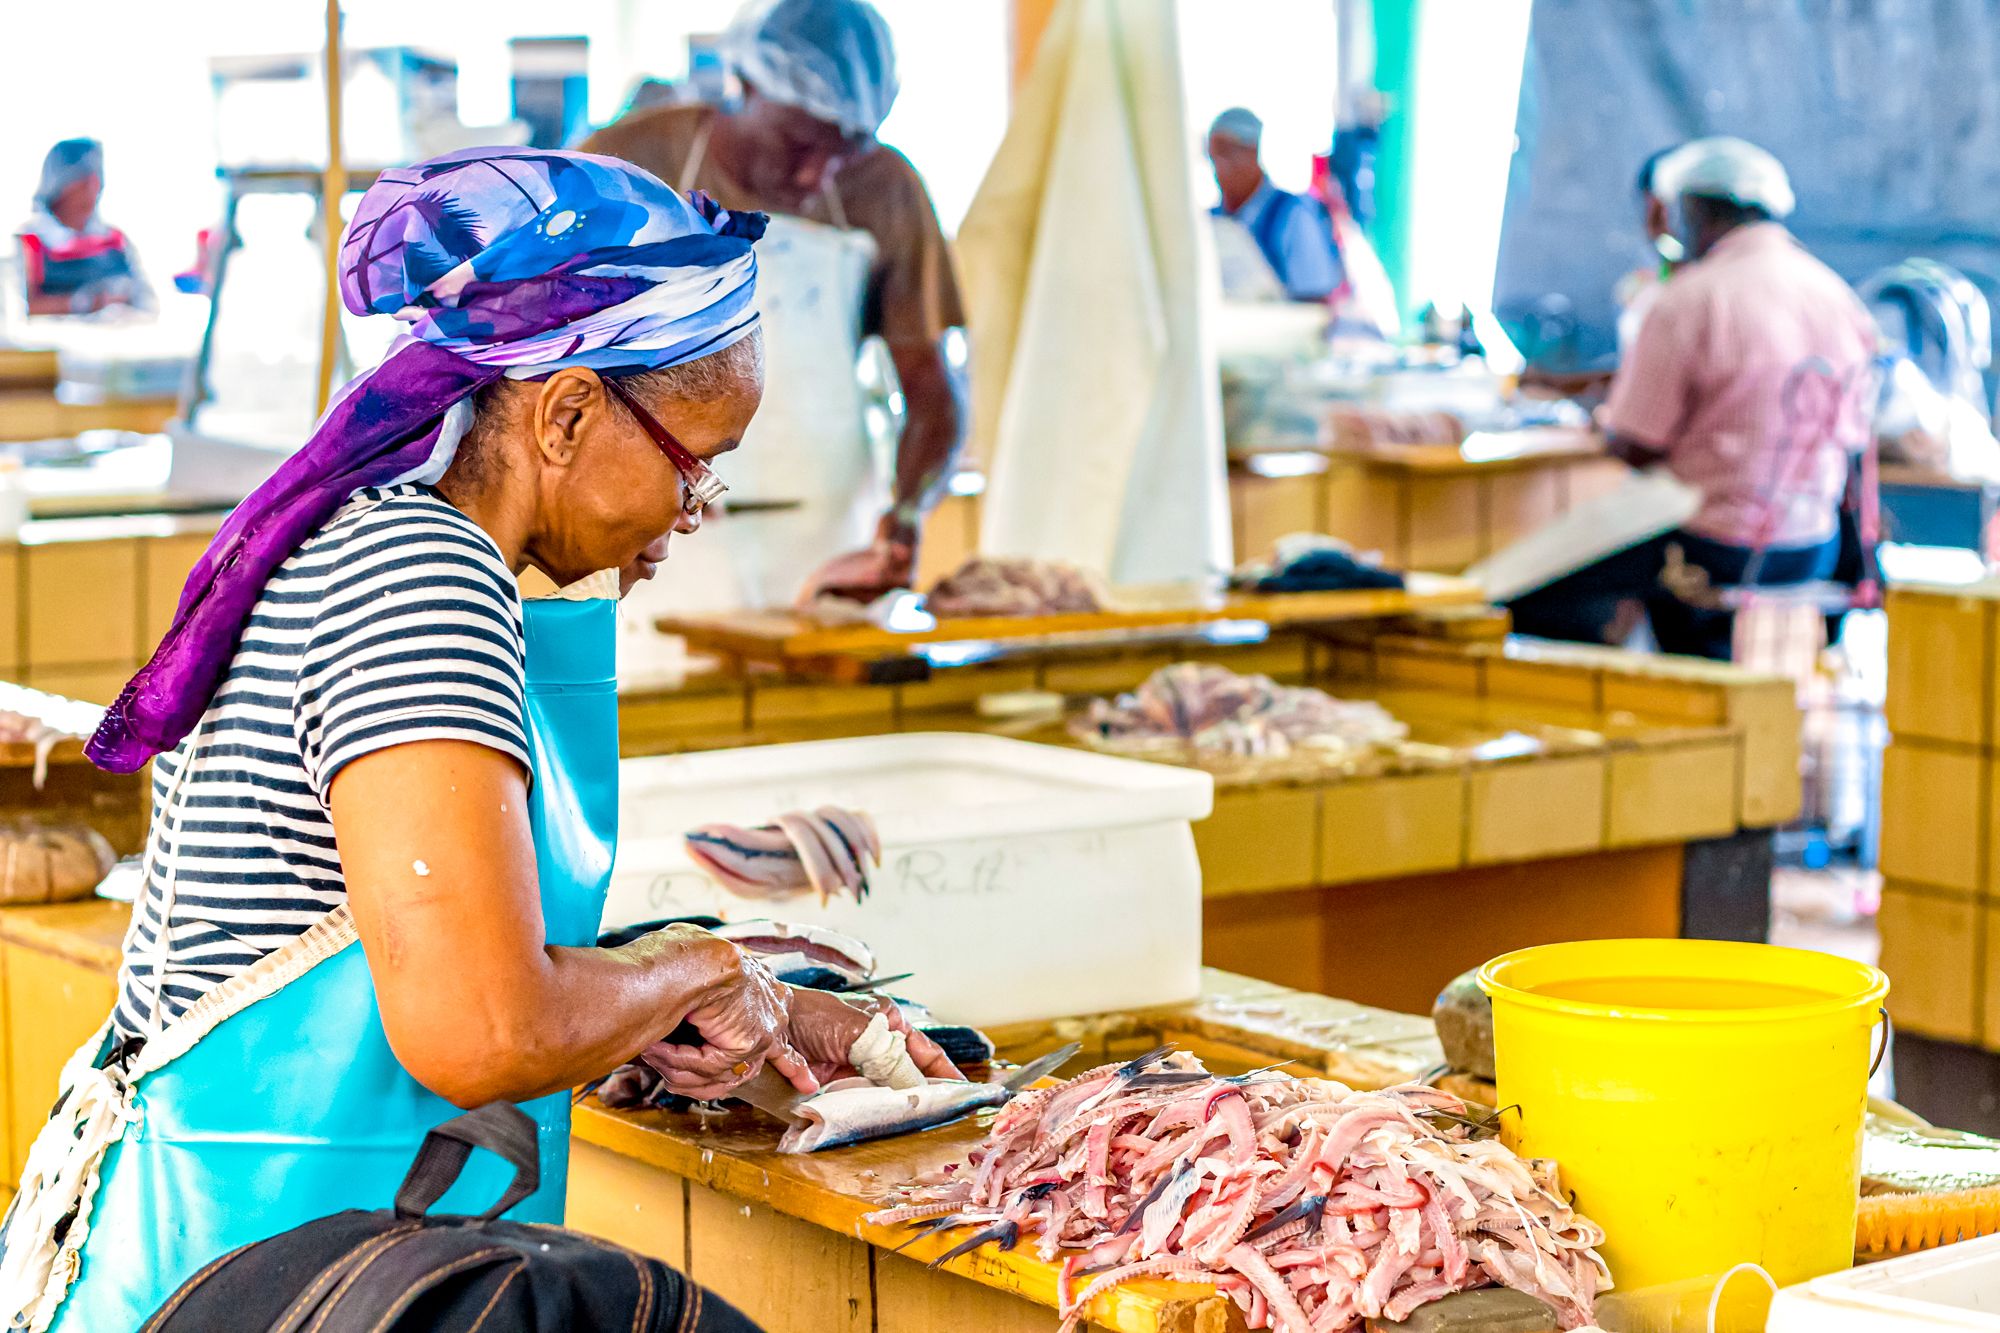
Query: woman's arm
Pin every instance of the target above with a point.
(440, 865)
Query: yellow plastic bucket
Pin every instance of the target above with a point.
(1703, 1098)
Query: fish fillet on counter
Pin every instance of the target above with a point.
(1312, 1206)
(827, 851)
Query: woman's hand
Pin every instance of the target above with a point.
(745, 1020)
(824, 1028)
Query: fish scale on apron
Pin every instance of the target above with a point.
(807, 448)
(289, 1104)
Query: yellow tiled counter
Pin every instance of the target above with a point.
(57, 984)
(1940, 858)
(83, 600)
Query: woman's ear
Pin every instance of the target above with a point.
(568, 401)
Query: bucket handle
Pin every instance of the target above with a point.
(1888, 1039)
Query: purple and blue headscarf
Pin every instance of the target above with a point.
(503, 262)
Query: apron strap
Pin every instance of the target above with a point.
(267, 976)
(697, 154)
(834, 211)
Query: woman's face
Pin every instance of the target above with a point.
(611, 497)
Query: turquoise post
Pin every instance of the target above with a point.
(1396, 25)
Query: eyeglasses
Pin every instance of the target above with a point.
(704, 488)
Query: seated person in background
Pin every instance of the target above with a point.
(72, 261)
(1750, 381)
(1291, 230)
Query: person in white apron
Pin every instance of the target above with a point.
(854, 251)
(359, 742)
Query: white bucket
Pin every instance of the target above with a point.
(1018, 881)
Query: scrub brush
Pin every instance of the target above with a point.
(1891, 1224)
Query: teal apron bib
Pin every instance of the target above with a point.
(296, 1108)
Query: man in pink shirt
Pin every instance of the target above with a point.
(1750, 380)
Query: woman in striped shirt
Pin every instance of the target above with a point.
(348, 746)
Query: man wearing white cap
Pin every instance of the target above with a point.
(1749, 380)
(854, 251)
(1292, 231)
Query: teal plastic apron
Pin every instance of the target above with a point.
(296, 1108)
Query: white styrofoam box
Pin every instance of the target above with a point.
(1018, 881)
(1954, 1287)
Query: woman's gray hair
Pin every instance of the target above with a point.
(734, 369)
(708, 378)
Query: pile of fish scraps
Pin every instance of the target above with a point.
(1210, 709)
(848, 1110)
(1015, 586)
(830, 851)
(1312, 1206)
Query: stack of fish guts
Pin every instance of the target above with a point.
(1312, 1206)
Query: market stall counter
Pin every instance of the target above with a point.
(31, 408)
(1438, 503)
(1543, 792)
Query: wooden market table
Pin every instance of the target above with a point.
(784, 1238)
(30, 408)
(1443, 505)
(803, 645)
(37, 414)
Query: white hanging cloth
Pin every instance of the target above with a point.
(1090, 275)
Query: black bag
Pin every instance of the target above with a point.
(408, 1272)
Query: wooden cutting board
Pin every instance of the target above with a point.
(780, 637)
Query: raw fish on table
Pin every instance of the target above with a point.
(1214, 710)
(825, 851)
(1312, 1206)
(856, 1111)
(794, 952)
(993, 586)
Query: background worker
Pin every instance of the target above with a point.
(1750, 381)
(854, 251)
(72, 261)
(1291, 230)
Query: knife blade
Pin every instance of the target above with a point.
(772, 1093)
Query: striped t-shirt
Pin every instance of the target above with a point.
(398, 621)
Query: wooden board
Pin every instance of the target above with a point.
(782, 636)
(29, 367)
(1485, 452)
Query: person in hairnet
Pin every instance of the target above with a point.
(854, 250)
(1292, 231)
(72, 261)
(1750, 381)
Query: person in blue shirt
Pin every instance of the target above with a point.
(1292, 231)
